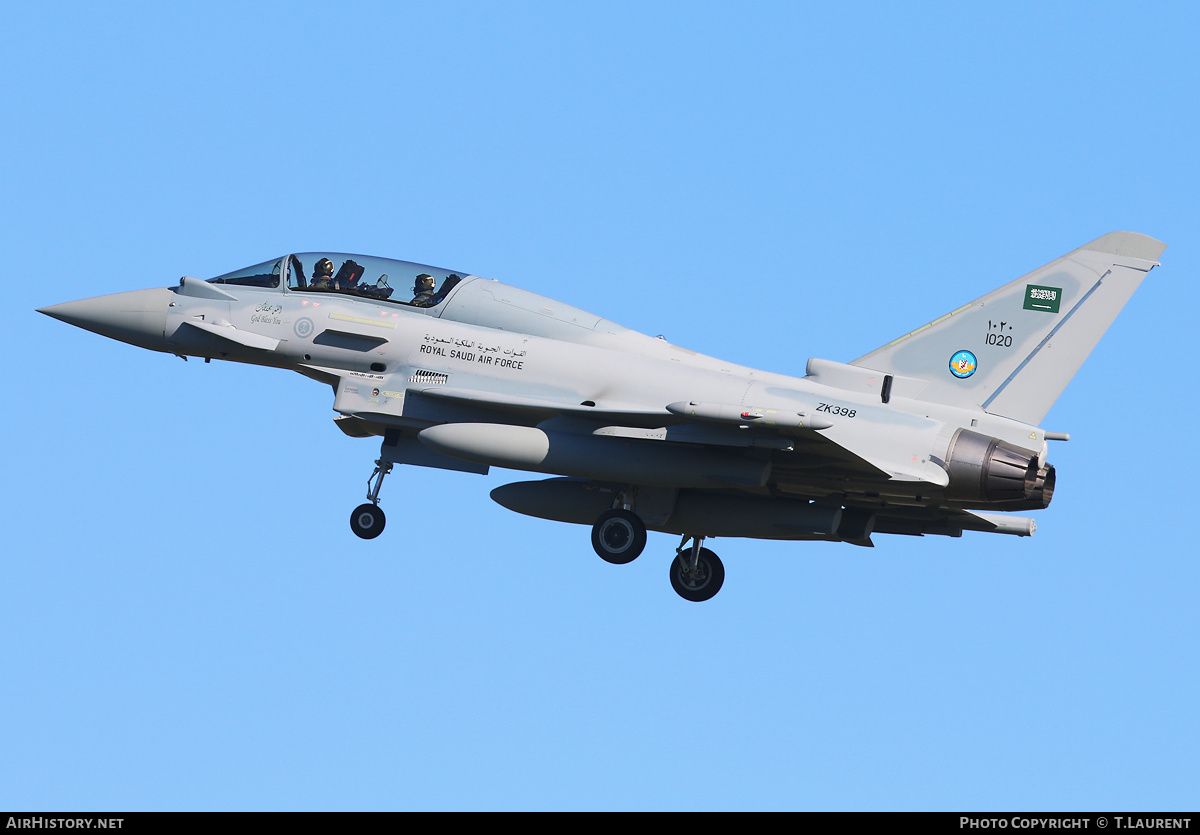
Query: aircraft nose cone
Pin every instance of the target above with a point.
(138, 317)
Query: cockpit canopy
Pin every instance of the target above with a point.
(431, 291)
(365, 276)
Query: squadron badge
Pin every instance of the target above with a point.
(963, 364)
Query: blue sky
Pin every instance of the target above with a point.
(187, 621)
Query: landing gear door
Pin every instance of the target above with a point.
(369, 395)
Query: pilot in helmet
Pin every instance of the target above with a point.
(423, 290)
(323, 275)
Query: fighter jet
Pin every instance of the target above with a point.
(935, 433)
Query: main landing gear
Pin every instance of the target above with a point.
(367, 520)
(696, 573)
(619, 536)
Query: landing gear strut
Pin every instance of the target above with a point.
(696, 573)
(367, 520)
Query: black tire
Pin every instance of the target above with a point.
(618, 536)
(367, 521)
(707, 581)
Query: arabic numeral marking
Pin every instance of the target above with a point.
(999, 341)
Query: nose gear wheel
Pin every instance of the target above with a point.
(367, 520)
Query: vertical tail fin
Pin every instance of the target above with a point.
(1013, 351)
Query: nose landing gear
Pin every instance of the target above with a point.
(367, 520)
